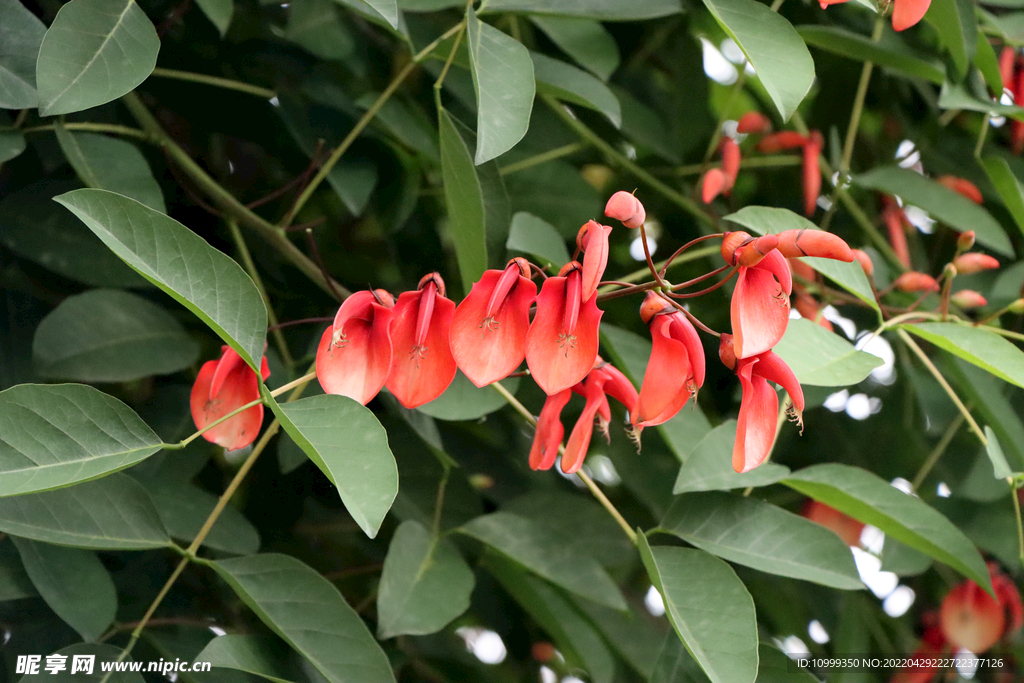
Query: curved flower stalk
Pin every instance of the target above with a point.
(223, 386)
(676, 368)
(354, 356)
(488, 331)
(422, 365)
(561, 345)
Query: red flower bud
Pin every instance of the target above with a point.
(794, 243)
(906, 13)
(865, 262)
(626, 208)
(965, 241)
(973, 262)
(783, 140)
(753, 122)
(714, 184)
(968, 298)
(916, 282)
(844, 526)
(730, 163)
(1006, 59)
(812, 172)
(731, 243)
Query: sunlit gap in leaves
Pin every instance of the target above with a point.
(485, 644)
(942, 490)
(817, 632)
(653, 602)
(1007, 99)
(896, 598)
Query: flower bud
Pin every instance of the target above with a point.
(968, 264)
(726, 352)
(654, 304)
(436, 279)
(783, 140)
(916, 282)
(753, 122)
(968, 298)
(713, 184)
(626, 208)
(965, 241)
(752, 254)
(730, 162)
(1016, 307)
(865, 262)
(731, 243)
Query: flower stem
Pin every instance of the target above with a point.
(542, 158)
(216, 81)
(113, 129)
(937, 452)
(770, 161)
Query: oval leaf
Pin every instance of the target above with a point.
(976, 345)
(463, 400)
(958, 30)
(538, 238)
(107, 335)
(603, 10)
(889, 51)
(73, 582)
(94, 52)
(219, 13)
(568, 83)
(585, 40)
(309, 613)
(181, 263)
(425, 583)
(1008, 187)
(464, 199)
(58, 435)
(870, 499)
(387, 9)
(709, 465)
(20, 35)
(113, 513)
(709, 607)
(253, 654)
(107, 163)
(774, 48)
(503, 80)
(757, 534)
(822, 358)
(348, 444)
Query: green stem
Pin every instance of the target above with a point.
(770, 161)
(96, 128)
(336, 155)
(224, 200)
(542, 158)
(439, 83)
(435, 525)
(937, 452)
(215, 81)
(1020, 526)
(981, 137)
(250, 267)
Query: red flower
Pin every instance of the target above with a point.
(488, 333)
(753, 122)
(561, 346)
(783, 140)
(548, 436)
(422, 365)
(760, 301)
(759, 408)
(972, 619)
(844, 526)
(906, 13)
(221, 387)
(626, 208)
(593, 240)
(354, 356)
(896, 222)
(676, 368)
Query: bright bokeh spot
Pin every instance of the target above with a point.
(899, 601)
(817, 632)
(716, 66)
(655, 605)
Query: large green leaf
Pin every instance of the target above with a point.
(219, 12)
(118, 337)
(570, 84)
(958, 30)
(107, 163)
(760, 535)
(774, 666)
(989, 396)
(102, 654)
(602, 10)
(12, 141)
(870, 499)
(253, 654)
(889, 52)
(94, 52)
(387, 9)
(957, 96)
(424, 585)
(774, 48)
(58, 435)
(942, 203)
(14, 582)
(310, 614)
(709, 465)
(585, 40)
(710, 609)
(73, 582)
(764, 219)
(976, 345)
(538, 238)
(823, 358)
(503, 80)
(547, 554)
(322, 28)
(348, 444)
(1000, 468)
(464, 199)
(463, 400)
(20, 35)
(181, 263)
(113, 513)
(1008, 187)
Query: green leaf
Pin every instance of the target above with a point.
(113, 513)
(903, 560)
(633, 635)
(463, 400)
(14, 582)
(58, 435)
(709, 465)
(219, 12)
(763, 220)
(583, 39)
(102, 654)
(1008, 187)
(73, 582)
(709, 608)
(348, 444)
(107, 163)
(320, 27)
(253, 654)
(774, 666)
(12, 141)
(988, 64)
(995, 453)
(538, 238)
(674, 664)
(890, 51)
(556, 192)
(545, 553)
(822, 358)
(464, 199)
(118, 337)
(757, 534)
(568, 83)
(942, 203)
(774, 48)
(504, 83)
(425, 583)
(181, 263)
(600, 10)
(94, 52)
(956, 96)
(310, 614)
(20, 35)
(387, 9)
(184, 508)
(976, 345)
(958, 30)
(987, 393)
(870, 499)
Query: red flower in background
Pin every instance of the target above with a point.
(488, 332)
(844, 526)
(422, 365)
(812, 171)
(221, 387)
(354, 356)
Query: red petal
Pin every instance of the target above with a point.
(713, 184)
(549, 433)
(776, 264)
(663, 392)
(420, 372)
(753, 122)
(559, 359)
(774, 369)
(759, 311)
(579, 440)
(777, 142)
(794, 243)
(229, 360)
(757, 420)
(595, 257)
(618, 386)
(237, 388)
(906, 13)
(730, 162)
(812, 175)
(358, 365)
(359, 306)
(683, 330)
